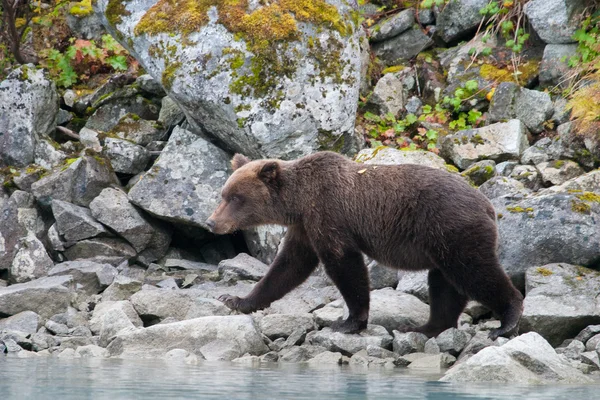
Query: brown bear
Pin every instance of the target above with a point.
(408, 217)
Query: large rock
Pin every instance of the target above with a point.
(114, 318)
(78, 181)
(284, 90)
(111, 251)
(459, 18)
(159, 304)
(31, 260)
(113, 209)
(263, 241)
(392, 26)
(28, 112)
(202, 336)
(76, 222)
(548, 228)
(403, 47)
(561, 300)
(242, 267)
(193, 171)
(531, 107)
(527, 359)
(89, 276)
(555, 21)
(554, 69)
(559, 172)
(283, 325)
(126, 157)
(27, 322)
(393, 309)
(497, 142)
(388, 94)
(389, 156)
(349, 344)
(45, 296)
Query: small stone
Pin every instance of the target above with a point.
(433, 363)
(76, 222)
(431, 347)
(326, 358)
(381, 276)
(406, 343)
(452, 341)
(392, 26)
(243, 266)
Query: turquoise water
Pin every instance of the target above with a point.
(62, 379)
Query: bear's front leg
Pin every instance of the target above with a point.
(294, 263)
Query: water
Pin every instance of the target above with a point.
(53, 378)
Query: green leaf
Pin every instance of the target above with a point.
(119, 63)
(486, 51)
(471, 85)
(473, 116)
(426, 109)
(369, 116)
(430, 146)
(459, 93)
(431, 135)
(411, 119)
(427, 4)
(472, 51)
(510, 43)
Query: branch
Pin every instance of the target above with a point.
(68, 132)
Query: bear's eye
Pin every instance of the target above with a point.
(235, 199)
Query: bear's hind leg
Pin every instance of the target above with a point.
(350, 275)
(446, 304)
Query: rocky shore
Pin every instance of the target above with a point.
(103, 247)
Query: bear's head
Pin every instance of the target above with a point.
(247, 199)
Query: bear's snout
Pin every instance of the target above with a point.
(210, 223)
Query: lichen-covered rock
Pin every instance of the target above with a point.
(28, 112)
(500, 186)
(131, 118)
(243, 267)
(388, 94)
(276, 80)
(558, 172)
(45, 296)
(548, 228)
(126, 157)
(218, 337)
(393, 309)
(528, 175)
(170, 114)
(525, 359)
(531, 107)
(497, 142)
(554, 69)
(76, 222)
(283, 325)
(560, 301)
(459, 18)
(414, 283)
(389, 156)
(555, 21)
(392, 26)
(263, 241)
(403, 47)
(480, 172)
(31, 260)
(78, 181)
(189, 166)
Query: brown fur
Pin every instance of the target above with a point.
(407, 217)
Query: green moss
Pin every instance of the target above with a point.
(328, 141)
(580, 207)
(477, 139)
(115, 11)
(519, 209)
(544, 271)
(82, 8)
(393, 68)
(451, 168)
(526, 71)
(500, 216)
(558, 164)
(168, 75)
(589, 196)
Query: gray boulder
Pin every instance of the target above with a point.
(75, 222)
(381, 276)
(349, 344)
(435, 363)
(28, 112)
(410, 342)
(393, 309)
(44, 296)
(159, 304)
(223, 338)
(189, 166)
(453, 341)
(500, 186)
(170, 114)
(79, 181)
(122, 288)
(558, 172)
(245, 95)
(126, 157)
(528, 175)
(111, 251)
(388, 94)
(31, 260)
(392, 26)
(263, 241)
(113, 209)
(498, 142)
(283, 325)
(89, 276)
(554, 69)
(532, 107)
(242, 267)
(390, 156)
(459, 18)
(480, 172)
(27, 322)
(548, 228)
(527, 359)
(131, 118)
(403, 47)
(111, 319)
(414, 283)
(560, 301)
(555, 21)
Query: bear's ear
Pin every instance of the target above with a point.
(269, 172)
(238, 161)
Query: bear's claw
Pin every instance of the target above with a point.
(236, 303)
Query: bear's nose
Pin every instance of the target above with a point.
(211, 224)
